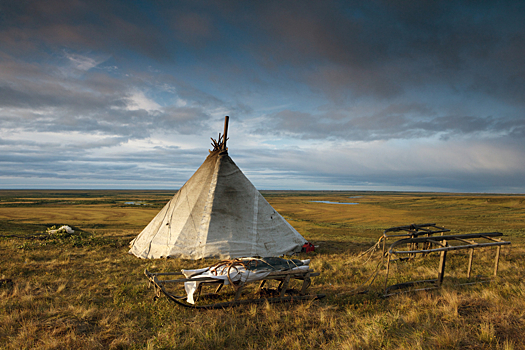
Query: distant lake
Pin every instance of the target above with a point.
(136, 203)
(328, 202)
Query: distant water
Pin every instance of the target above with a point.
(328, 202)
(136, 203)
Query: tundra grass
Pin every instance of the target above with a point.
(85, 291)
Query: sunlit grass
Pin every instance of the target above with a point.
(86, 291)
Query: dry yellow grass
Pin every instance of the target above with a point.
(86, 292)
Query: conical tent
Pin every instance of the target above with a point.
(217, 213)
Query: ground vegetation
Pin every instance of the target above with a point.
(83, 290)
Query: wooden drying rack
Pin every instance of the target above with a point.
(415, 245)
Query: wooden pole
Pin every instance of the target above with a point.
(387, 270)
(384, 250)
(441, 270)
(442, 261)
(225, 134)
(471, 256)
(496, 263)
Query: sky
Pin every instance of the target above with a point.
(322, 95)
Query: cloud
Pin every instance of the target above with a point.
(475, 166)
(109, 26)
(328, 93)
(138, 101)
(39, 97)
(395, 121)
(379, 49)
(194, 29)
(84, 62)
(344, 50)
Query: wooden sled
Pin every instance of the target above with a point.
(281, 293)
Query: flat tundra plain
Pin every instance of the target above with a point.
(85, 291)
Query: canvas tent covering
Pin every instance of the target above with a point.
(217, 213)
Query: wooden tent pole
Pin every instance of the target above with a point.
(225, 134)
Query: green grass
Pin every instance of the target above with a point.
(85, 291)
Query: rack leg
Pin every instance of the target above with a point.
(441, 272)
(384, 248)
(471, 257)
(496, 263)
(387, 269)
